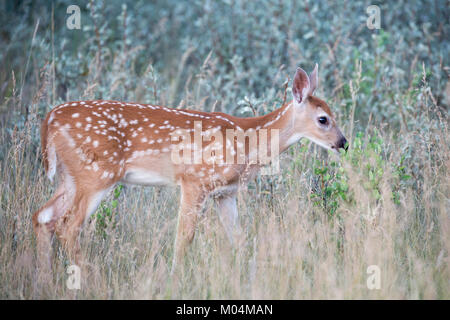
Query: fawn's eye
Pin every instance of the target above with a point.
(323, 120)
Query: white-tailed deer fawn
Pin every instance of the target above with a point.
(93, 145)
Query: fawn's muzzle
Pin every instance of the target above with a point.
(342, 144)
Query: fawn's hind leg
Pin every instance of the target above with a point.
(68, 227)
(44, 220)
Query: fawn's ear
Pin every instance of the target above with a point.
(314, 80)
(300, 86)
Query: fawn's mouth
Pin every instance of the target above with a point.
(341, 144)
(336, 149)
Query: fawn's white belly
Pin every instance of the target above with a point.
(146, 177)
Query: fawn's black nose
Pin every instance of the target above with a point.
(342, 144)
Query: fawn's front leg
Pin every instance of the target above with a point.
(228, 215)
(192, 197)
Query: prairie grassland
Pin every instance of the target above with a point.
(310, 232)
(298, 242)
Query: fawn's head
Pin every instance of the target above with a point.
(313, 117)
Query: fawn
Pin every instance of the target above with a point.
(93, 145)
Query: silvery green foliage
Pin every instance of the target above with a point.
(233, 56)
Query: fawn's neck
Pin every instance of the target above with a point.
(282, 119)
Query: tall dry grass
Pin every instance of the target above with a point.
(293, 247)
